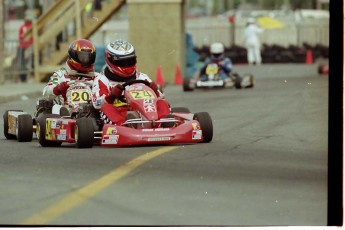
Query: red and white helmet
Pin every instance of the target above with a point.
(120, 58)
(81, 55)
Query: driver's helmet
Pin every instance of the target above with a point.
(81, 55)
(217, 51)
(120, 58)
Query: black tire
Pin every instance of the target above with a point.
(84, 132)
(180, 110)
(6, 134)
(238, 81)
(41, 131)
(251, 80)
(206, 125)
(25, 128)
(186, 87)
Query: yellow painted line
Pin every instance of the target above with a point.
(83, 194)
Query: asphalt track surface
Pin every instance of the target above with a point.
(266, 166)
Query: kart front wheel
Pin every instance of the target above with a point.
(206, 125)
(41, 131)
(186, 87)
(84, 132)
(25, 128)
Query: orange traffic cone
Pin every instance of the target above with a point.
(159, 77)
(309, 57)
(178, 78)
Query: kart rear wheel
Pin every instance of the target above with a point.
(6, 134)
(84, 132)
(206, 125)
(25, 128)
(186, 86)
(41, 131)
(180, 110)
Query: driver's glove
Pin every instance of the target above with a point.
(114, 92)
(61, 88)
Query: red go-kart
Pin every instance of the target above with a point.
(142, 125)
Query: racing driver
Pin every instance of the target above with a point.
(121, 60)
(217, 57)
(79, 66)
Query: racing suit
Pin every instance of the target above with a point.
(64, 75)
(112, 110)
(224, 67)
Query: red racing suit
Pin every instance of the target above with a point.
(115, 111)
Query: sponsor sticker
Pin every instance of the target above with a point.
(159, 139)
(196, 134)
(195, 126)
(157, 130)
(61, 137)
(110, 139)
(63, 131)
(53, 124)
(150, 108)
(148, 101)
(111, 131)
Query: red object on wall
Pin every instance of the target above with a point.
(232, 19)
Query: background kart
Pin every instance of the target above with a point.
(142, 126)
(21, 125)
(211, 79)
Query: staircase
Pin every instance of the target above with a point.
(62, 16)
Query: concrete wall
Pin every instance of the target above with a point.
(156, 29)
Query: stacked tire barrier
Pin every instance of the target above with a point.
(271, 53)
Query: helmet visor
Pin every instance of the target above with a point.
(218, 55)
(85, 58)
(125, 62)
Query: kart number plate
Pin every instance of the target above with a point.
(212, 69)
(143, 94)
(80, 95)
